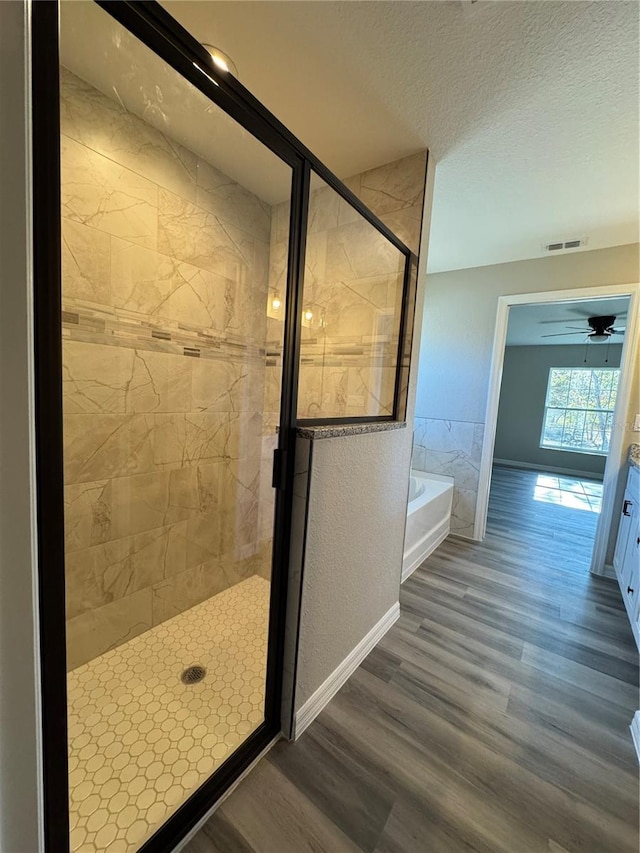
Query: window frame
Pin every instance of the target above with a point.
(547, 407)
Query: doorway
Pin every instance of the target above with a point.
(561, 452)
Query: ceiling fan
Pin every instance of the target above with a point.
(600, 329)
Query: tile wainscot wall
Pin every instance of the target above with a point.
(452, 448)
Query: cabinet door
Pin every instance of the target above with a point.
(632, 566)
(624, 531)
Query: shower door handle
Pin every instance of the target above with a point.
(279, 468)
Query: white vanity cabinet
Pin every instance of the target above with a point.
(626, 558)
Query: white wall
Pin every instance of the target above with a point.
(455, 357)
(20, 824)
(355, 533)
(525, 377)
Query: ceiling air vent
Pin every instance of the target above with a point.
(565, 244)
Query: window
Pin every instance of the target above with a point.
(578, 413)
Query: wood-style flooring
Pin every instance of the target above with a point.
(492, 717)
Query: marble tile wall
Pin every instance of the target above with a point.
(452, 448)
(167, 451)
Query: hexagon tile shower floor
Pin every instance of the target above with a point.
(140, 739)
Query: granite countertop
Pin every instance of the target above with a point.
(343, 430)
(634, 455)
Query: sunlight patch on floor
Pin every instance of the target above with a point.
(568, 492)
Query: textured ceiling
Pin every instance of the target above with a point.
(529, 323)
(530, 108)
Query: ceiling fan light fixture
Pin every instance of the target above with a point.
(598, 339)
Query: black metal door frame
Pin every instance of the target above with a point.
(153, 26)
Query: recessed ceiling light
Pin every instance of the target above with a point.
(221, 59)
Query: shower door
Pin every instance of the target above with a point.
(175, 242)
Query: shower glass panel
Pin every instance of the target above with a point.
(351, 313)
(174, 272)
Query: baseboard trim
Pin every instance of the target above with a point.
(635, 733)
(426, 546)
(328, 689)
(552, 469)
(462, 538)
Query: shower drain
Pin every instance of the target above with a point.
(193, 674)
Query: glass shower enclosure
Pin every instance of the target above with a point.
(171, 404)
(176, 319)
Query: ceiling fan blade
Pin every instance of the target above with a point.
(620, 316)
(564, 320)
(618, 331)
(564, 334)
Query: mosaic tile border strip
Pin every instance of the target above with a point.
(115, 327)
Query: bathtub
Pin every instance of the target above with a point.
(428, 518)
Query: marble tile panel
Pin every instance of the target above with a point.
(191, 234)
(146, 501)
(418, 458)
(354, 183)
(280, 215)
(358, 250)
(231, 202)
(95, 378)
(239, 519)
(103, 194)
(272, 389)
(105, 573)
(223, 385)
(204, 523)
(262, 563)
(163, 287)
(204, 538)
(103, 628)
(266, 516)
(324, 206)
(478, 440)
(394, 186)
(275, 335)
(316, 286)
(311, 402)
(453, 463)
(450, 436)
(86, 263)
(104, 125)
(180, 592)
(278, 265)
(87, 514)
(182, 440)
(160, 382)
(346, 212)
(335, 393)
(99, 446)
(463, 511)
(246, 300)
(407, 225)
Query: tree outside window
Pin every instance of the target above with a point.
(579, 407)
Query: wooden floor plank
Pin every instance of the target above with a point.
(493, 716)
